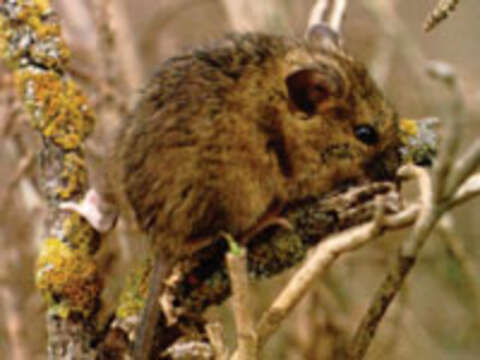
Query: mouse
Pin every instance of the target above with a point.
(225, 136)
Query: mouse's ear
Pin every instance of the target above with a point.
(312, 91)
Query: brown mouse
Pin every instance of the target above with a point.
(224, 137)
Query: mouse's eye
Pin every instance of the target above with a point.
(366, 134)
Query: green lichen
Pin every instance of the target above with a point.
(68, 279)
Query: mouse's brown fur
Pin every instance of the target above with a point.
(216, 139)
(222, 136)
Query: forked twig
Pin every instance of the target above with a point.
(435, 202)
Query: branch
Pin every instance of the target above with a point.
(215, 335)
(328, 12)
(435, 202)
(32, 46)
(464, 168)
(466, 192)
(203, 280)
(449, 234)
(323, 256)
(246, 335)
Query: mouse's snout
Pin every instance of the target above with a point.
(384, 166)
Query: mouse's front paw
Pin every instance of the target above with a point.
(101, 215)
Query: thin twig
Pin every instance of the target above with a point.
(242, 311)
(434, 204)
(396, 275)
(449, 234)
(469, 190)
(329, 12)
(13, 321)
(316, 265)
(215, 335)
(453, 128)
(463, 168)
(25, 164)
(441, 11)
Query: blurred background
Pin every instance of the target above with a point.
(117, 45)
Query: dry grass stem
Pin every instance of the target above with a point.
(25, 164)
(463, 168)
(10, 302)
(329, 12)
(452, 128)
(315, 266)
(435, 202)
(13, 324)
(215, 333)
(469, 190)
(448, 232)
(441, 11)
(242, 310)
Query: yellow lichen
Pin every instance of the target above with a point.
(73, 176)
(57, 107)
(31, 44)
(68, 275)
(80, 234)
(408, 128)
(40, 35)
(132, 299)
(43, 5)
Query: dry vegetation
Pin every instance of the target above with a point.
(116, 45)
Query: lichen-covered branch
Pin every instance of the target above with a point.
(32, 46)
(202, 279)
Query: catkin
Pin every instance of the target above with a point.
(440, 13)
